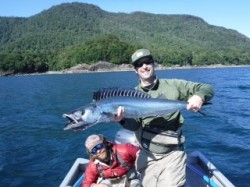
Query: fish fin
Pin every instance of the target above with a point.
(114, 92)
(206, 103)
(202, 113)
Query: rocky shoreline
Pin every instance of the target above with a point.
(104, 66)
(109, 67)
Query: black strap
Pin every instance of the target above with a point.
(123, 163)
(100, 170)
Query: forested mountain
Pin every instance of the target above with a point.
(74, 33)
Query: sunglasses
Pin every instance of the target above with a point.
(140, 64)
(97, 148)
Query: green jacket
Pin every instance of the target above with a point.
(172, 89)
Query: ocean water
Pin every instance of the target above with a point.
(35, 151)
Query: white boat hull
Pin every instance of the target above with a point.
(200, 171)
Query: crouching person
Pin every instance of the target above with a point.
(110, 164)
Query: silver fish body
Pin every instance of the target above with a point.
(104, 110)
(139, 107)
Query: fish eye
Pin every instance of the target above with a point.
(78, 114)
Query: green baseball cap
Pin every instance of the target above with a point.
(139, 54)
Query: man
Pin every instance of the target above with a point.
(110, 163)
(162, 160)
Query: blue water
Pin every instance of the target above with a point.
(35, 151)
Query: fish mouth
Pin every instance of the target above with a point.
(75, 124)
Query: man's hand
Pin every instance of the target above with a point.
(194, 103)
(119, 115)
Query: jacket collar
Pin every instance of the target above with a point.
(153, 86)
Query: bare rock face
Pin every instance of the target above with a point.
(104, 66)
(7, 73)
(100, 66)
(80, 67)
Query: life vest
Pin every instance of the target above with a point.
(119, 158)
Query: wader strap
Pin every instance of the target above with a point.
(122, 162)
(100, 170)
(131, 172)
(161, 141)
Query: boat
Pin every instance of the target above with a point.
(200, 171)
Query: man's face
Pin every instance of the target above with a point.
(100, 152)
(145, 70)
(102, 155)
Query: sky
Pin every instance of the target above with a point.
(231, 14)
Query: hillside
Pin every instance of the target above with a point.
(69, 30)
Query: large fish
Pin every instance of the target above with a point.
(137, 104)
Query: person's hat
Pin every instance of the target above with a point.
(139, 54)
(93, 140)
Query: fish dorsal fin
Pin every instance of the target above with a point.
(114, 92)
